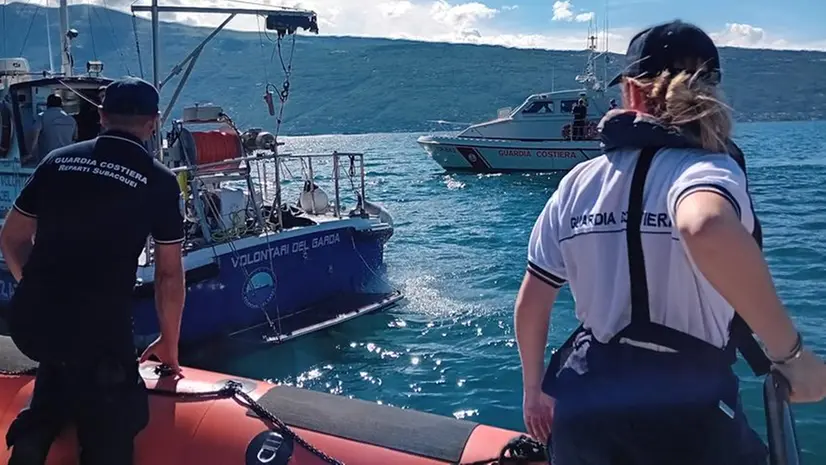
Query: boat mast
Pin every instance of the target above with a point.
(49, 39)
(156, 73)
(156, 76)
(65, 39)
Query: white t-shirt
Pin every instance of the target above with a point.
(580, 238)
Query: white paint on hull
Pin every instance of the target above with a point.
(498, 155)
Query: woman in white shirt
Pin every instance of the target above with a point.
(654, 238)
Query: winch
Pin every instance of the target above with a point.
(258, 139)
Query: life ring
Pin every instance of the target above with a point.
(5, 130)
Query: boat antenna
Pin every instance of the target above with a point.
(607, 56)
(49, 40)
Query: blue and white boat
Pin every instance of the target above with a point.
(261, 261)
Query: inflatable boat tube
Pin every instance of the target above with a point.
(209, 418)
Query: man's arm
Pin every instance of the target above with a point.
(16, 239)
(168, 233)
(169, 290)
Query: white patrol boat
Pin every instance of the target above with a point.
(537, 136)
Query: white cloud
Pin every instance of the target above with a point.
(562, 12)
(740, 35)
(456, 21)
(584, 17)
(749, 36)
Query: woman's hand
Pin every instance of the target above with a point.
(538, 412)
(807, 377)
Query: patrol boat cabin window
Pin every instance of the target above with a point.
(31, 100)
(567, 106)
(539, 107)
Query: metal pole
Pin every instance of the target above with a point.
(156, 72)
(312, 190)
(156, 80)
(197, 51)
(277, 202)
(363, 199)
(335, 178)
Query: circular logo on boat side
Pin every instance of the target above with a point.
(259, 288)
(269, 448)
(472, 157)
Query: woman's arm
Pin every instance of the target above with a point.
(728, 257)
(531, 321)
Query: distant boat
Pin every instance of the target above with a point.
(536, 136)
(256, 264)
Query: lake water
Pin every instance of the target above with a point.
(458, 254)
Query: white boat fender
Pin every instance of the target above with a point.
(313, 199)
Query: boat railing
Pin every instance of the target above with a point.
(346, 181)
(275, 189)
(780, 424)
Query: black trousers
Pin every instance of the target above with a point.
(621, 405)
(105, 399)
(673, 436)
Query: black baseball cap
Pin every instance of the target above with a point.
(131, 96)
(675, 46)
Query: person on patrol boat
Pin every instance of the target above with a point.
(72, 241)
(655, 239)
(580, 112)
(53, 128)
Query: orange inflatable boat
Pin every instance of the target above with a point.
(209, 418)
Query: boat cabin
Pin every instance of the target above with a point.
(23, 96)
(541, 117)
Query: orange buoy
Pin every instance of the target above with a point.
(252, 422)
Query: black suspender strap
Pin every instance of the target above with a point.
(741, 333)
(742, 337)
(641, 327)
(640, 313)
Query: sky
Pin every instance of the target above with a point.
(548, 24)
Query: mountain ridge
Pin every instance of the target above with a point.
(345, 85)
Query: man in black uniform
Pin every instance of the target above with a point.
(72, 242)
(580, 111)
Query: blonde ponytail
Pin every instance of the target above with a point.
(686, 102)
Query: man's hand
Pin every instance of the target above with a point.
(165, 351)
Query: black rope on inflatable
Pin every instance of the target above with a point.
(521, 450)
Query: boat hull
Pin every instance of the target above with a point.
(284, 282)
(503, 156)
(214, 430)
